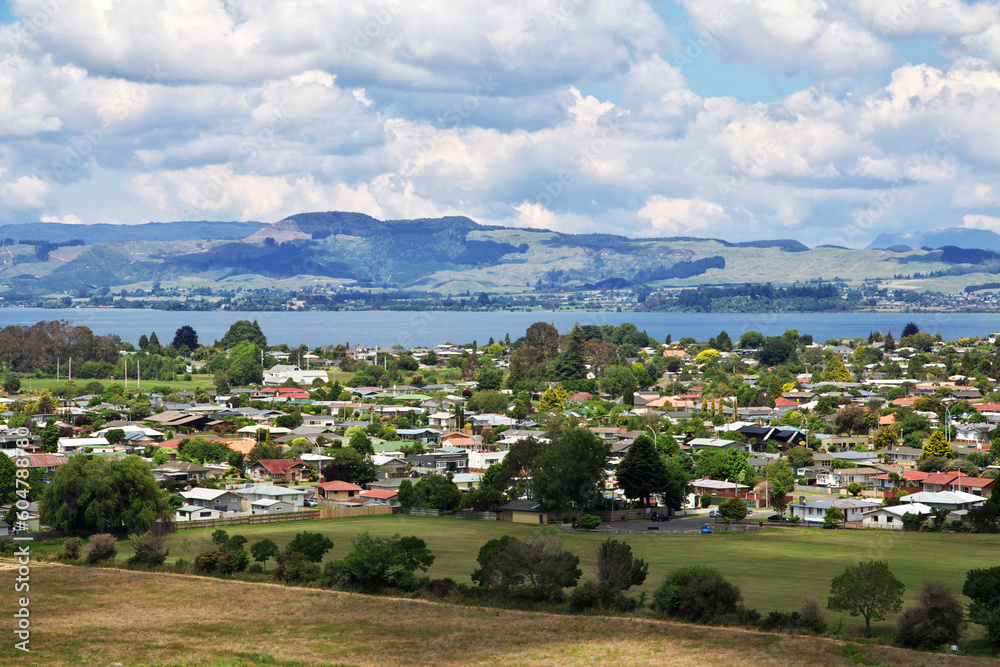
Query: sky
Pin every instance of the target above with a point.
(735, 119)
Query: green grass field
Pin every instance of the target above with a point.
(775, 569)
(34, 385)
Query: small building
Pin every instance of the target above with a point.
(526, 511)
(891, 518)
(815, 511)
(271, 507)
(381, 496)
(280, 471)
(195, 513)
(271, 492)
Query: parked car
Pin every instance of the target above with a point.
(749, 512)
(310, 502)
(706, 528)
(777, 517)
(715, 514)
(658, 516)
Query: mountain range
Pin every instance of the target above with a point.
(450, 255)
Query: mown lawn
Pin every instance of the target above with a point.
(83, 616)
(34, 385)
(775, 569)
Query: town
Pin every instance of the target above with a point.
(600, 429)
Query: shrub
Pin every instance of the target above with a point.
(617, 567)
(536, 570)
(71, 548)
(102, 547)
(813, 615)
(386, 562)
(149, 549)
(936, 619)
(706, 500)
(589, 521)
(697, 594)
(207, 561)
(602, 596)
(182, 565)
(255, 568)
(294, 567)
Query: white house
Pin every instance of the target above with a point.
(891, 518)
(271, 507)
(217, 499)
(67, 445)
(949, 500)
(815, 511)
(280, 373)
(195, 513)
(271, 492)
(483, 460)
(841, 477)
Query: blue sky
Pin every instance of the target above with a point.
(736, 119)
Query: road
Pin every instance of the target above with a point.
(684, 524)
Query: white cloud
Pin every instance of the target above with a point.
(25, 192)
(987, 222)
(682, 216)
(68, 219)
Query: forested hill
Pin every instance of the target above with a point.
(442, 256)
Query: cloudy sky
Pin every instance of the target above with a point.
(828, 122)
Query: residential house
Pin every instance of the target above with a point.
(891, 518)
(946, 481)
(840, 478)
(181, 471)
(272, 492)
(381, 496)
(265, 506)
(717, 443)
(815, 511)
(910, 479)
(467, 481)
(281, 373)
(720, 488)
(46, 462)
(280, 471)
(195, 513)
(949, 500)
(218, 499)
(901, 455)
(439, 462)
(337, 490)
(481, 460)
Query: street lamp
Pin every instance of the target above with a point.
(947, 422)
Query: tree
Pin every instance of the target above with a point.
(385, 562)
(733, 509)
(99, 494)
(706, 356)
(854, 489)
(114, 435)
(554, 399)
(723, 342)
(244, 365)
(264, 550)
(936, 619)
(723, 465)
(936, 445)
(488, 402)
(537, 570)
(750, 340)
(50, 437)
(361, 443)
(799, 457)
(11, 383)
(911, 329)
(617, 566)
(8, 480)
(982, 586)
(696, 594)
(850, 419)
(868, 589)
(885, 436)
(642, 472)
(186, 339)
(776, 351)
(244, 331)
(619, 381)
(835, 371)
(569, 467)
(489, 378)
(437, 492)
(312, 546)
(570, 365)
(264, 451)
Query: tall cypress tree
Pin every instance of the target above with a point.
(642, 472)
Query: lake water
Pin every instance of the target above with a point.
(411, 329)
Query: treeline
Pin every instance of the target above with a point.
(24, 348)
(752, 296)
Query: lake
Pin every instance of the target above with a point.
(412, 329)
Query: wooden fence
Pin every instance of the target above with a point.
(302, 515)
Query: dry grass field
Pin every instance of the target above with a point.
(97, 617)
